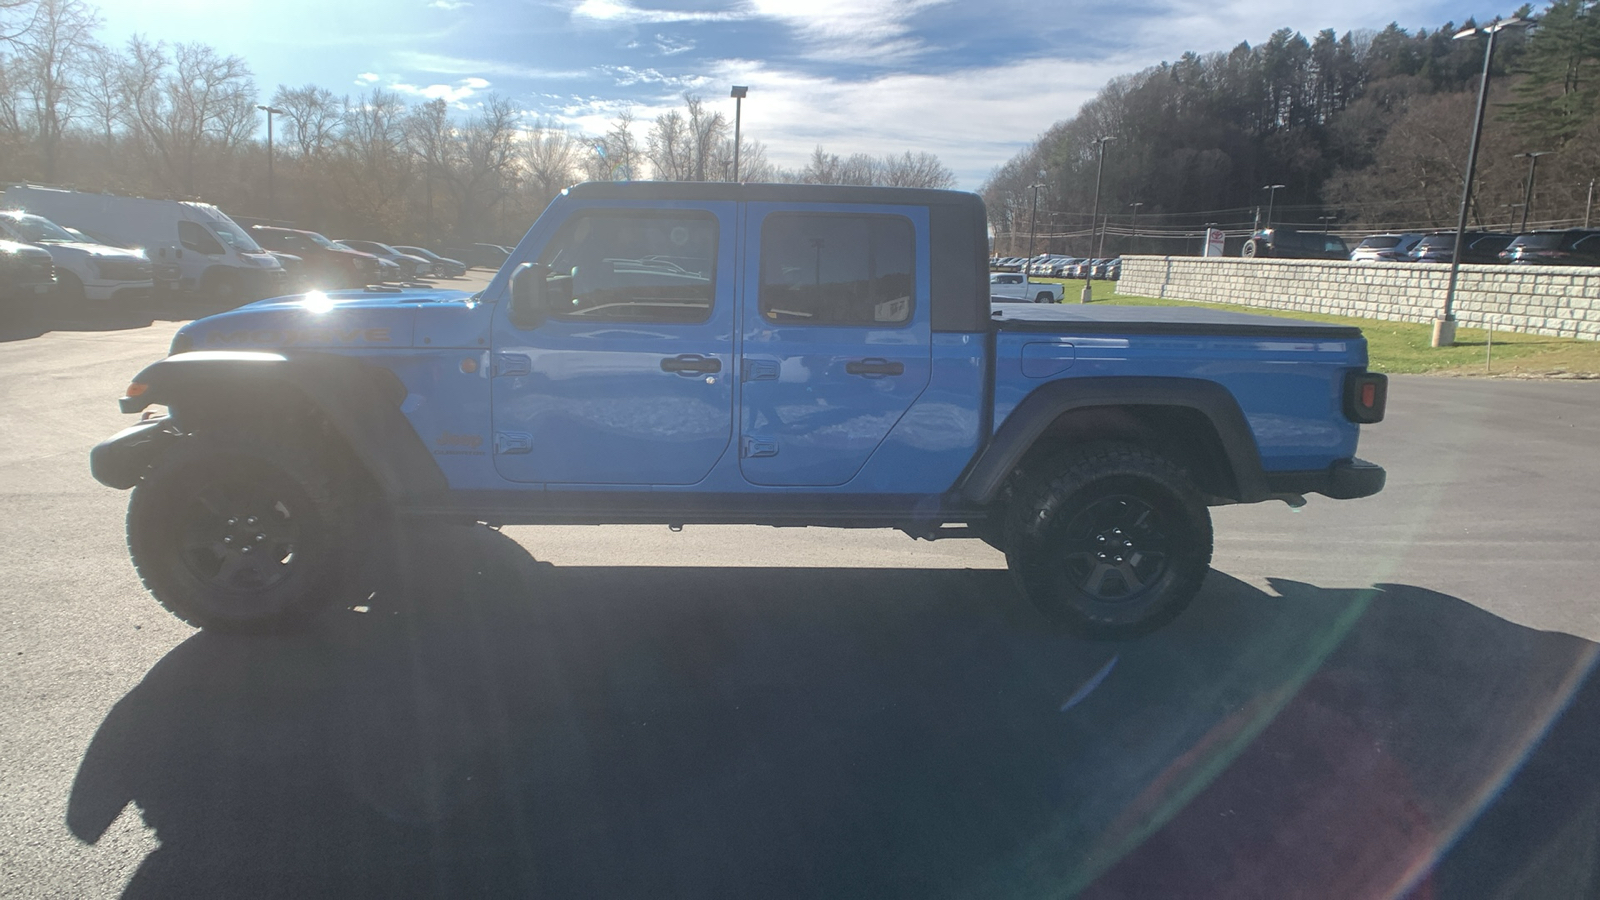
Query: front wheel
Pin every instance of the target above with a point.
(239, 532)
(1109, 540)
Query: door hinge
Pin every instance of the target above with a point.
(512, 364)
(511, 443)
(757, 448)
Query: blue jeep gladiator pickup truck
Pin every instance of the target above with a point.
(787, 355)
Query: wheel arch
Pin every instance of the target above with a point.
(352, 401)
(1196, 423)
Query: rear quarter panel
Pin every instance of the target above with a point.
(1290, 389)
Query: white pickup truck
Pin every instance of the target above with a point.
(1015, 287)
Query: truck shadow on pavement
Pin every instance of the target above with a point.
(510, 728)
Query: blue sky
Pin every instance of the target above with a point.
(971, 81)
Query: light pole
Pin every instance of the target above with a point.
(1444, 327)
(1094, 219)
(272, 204)
(1272, 194)
(1033, 231)
(1588, 205)
(1527, 191)
(738, 94)
(1134, 241)
(1325, 220)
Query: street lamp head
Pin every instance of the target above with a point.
(1533, 154)
(1273, 187)
(271, 110)
(1492, 27)
(739, 92)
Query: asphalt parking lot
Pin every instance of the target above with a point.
(1369, 697)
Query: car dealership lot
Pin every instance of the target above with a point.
(732, 711)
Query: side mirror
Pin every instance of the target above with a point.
(528, 304)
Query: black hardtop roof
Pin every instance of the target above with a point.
(770, 193)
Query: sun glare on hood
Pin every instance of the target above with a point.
(317, 302)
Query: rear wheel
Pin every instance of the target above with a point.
(240, 532)
(1043, 297)
(1108, 540)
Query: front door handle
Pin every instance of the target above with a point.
(874, 367)
(691, 364)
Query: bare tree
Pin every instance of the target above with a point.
(101, 92)
(482, 169)
(920, 170)
(183, 104)
(707, 133)
(668, 147)
(551, 156)
(616, 155)
(52, 53)
(371, 164)
(315, 116)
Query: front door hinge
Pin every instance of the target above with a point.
(758, 448)
(512, 364)
(511, 443)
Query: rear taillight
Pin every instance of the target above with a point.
(1365, 395)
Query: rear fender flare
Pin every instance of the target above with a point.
(1040, 409)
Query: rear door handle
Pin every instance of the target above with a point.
(691, 364)
(874, 367)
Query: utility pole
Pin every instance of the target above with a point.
(1094, 218)
(1272, 194)
(1588, 205)
(1444, 327)
(1033, 232)
(1134, 241)
(738, 94)
(272, 201)
(1527, 190)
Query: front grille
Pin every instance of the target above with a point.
(112, 269)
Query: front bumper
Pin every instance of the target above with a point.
(120, 460)
(1344, 480)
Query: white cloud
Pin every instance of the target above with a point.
(449, 5)
(671, 46)
(449, 93)
(366, 78)
(869, 32)
(624, 12)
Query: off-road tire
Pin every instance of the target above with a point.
(1253, 249)
(275, 494)
(1108, 540)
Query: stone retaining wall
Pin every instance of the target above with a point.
(1562, 301)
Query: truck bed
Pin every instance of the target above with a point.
(1192, 320)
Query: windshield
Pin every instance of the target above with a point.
(1546, 241)
(234, 236)
(39, 230)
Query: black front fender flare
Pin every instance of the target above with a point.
(360, 401)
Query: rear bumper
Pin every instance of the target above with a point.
(1344, 480)
(120, 460)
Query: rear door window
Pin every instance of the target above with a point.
(837, 269)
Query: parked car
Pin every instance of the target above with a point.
(27, 275)
(411, 265)
(1286, 243)
(487, 256)
(1480, 247)
(194, 247)
(1064, 265)
(84, 271)
(1385, 248)
(1573, 247)
(1109, 269)
(1009, 286)
(326, 264)
(443, 266)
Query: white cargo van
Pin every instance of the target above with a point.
(195, 247)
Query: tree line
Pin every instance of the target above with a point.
(1364, 131)
(183, 120)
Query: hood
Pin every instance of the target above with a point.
(99, 251)
(370, 319)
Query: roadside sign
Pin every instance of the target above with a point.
(1214, 241)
